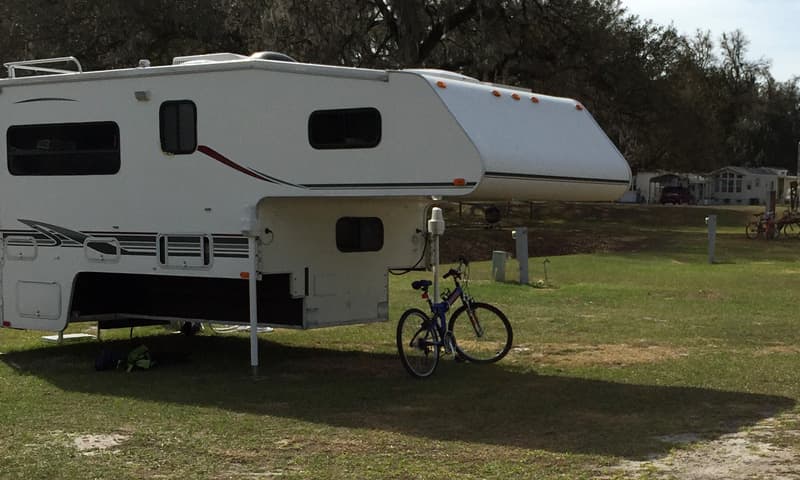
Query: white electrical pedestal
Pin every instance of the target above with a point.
(436, 230)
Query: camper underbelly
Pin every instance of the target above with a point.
(319, 262)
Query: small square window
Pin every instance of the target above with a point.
(178, 127)
(359, 234)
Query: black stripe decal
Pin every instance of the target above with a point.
(367, 186)
(46, 99)
(131, 243)
(555, 178)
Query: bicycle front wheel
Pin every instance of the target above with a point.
(417, 343)
(482, 333)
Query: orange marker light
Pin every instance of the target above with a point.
(515, 96)
(441, 84)
(495, 93)
(534, 100)
(244, 275)
(579, 107)
(459, 182)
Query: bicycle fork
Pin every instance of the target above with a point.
(473, 318)
(440, 323)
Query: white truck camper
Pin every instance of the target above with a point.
(184, 191)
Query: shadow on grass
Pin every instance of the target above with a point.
(462, 402)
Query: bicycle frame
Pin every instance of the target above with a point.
(439, 311)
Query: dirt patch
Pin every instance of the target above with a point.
(565, 354)
(93, 444)
(753, 453)
(706, 295)
(773, 349)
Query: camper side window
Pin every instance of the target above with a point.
(344, 128)
(90, 148)
(359, 234)
(178, 126)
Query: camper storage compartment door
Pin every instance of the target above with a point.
(39, 300)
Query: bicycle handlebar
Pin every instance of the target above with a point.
(452, 273)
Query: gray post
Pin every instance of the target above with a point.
(521, 236)
(499, 265)
(711, 221)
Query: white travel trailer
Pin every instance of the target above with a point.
(152, 193)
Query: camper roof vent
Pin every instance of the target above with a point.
(277, 56)
(207, 58)
(44, 66)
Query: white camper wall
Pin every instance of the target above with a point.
(261, 124)
(341, 287)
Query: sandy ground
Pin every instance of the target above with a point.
(93, 444)
(754, 453)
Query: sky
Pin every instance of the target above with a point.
(770, 25)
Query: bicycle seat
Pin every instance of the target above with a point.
(421, 284)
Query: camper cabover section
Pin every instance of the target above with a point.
(122, 192)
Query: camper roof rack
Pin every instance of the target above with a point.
(38, 66)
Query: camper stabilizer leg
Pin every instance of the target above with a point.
(252, 278)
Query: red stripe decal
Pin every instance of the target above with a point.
(230, 163)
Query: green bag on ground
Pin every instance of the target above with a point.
(139, 357)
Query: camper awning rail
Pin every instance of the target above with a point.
(37, 66)
(199, 67)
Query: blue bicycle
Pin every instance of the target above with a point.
(477, 332)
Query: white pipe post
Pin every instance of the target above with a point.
(253, 294)
(249, 224)
(435, 229)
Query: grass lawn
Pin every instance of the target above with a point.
(635, 340)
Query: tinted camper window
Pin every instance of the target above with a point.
(64, 149)
(359, 234)
(178, 126)
(346, 128)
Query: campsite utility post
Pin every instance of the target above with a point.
(436, 230)
(711, 221)
(249, 225)
(520, 234)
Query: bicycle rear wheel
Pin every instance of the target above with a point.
(417, 343)
(752, 230)
(482, 333)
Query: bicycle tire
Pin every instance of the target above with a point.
(417, 343)
(791, 230)
(493, 341)
(751, 230)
